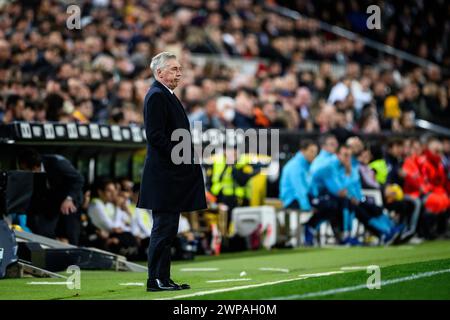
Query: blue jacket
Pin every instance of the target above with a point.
(332, 178)
(295, 182)
(355, 186)
(323, 159)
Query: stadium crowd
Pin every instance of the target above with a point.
(100, 72)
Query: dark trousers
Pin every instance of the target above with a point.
(57, 225)
(365, 211)
(327, 207)
(164, 231)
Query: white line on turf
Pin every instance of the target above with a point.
(275, 269)
(138, 284)
(228, 280)
(198, 269)
(312, 275)
(204, 293)
(351, 268)
(46, 283)
(362, 286)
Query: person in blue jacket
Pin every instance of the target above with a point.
(367, 212)
(327, 195)
(328, 147)
(295, 178)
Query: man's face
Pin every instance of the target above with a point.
(86, 109)
(109, 193)
(170, 74)
(310, 153)
(331, 145)
(127, 189)
(345, 156)
(396, 150)
(436, 148)
(365, 157)
(211, 108)
(416, 147)
(355, 145)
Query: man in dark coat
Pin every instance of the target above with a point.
(167, 187)
(57, 215)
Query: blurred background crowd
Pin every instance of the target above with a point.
(100, 73)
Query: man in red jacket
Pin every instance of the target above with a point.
(426, 178)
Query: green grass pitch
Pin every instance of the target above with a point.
(407, 272)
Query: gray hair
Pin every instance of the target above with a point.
(159, 61)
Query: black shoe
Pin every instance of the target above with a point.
(161, 285)
(182, 286)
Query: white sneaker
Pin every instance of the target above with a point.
(416, 240)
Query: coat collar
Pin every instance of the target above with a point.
(158, 84)
(171, 97)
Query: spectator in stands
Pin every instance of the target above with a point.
(28, 112)
(83, 111)
(59, 215)
(208, 115)
(244, 117)
(13, 108)
(303, 101)
(368, 180)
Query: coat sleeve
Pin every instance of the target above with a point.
(73, 180)
(155, 117)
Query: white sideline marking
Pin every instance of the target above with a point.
(274, 269)
(351, 268)
(203, 293)
(45, 283)
(228, 280)
(322, 274)
(140, 284)
(361, 286)
(198, 269)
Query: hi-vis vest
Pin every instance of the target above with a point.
(222, 178)
(138, 212)
(109, 209)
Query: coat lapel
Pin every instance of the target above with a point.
(174, 99)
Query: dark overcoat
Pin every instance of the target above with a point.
(165, 185)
